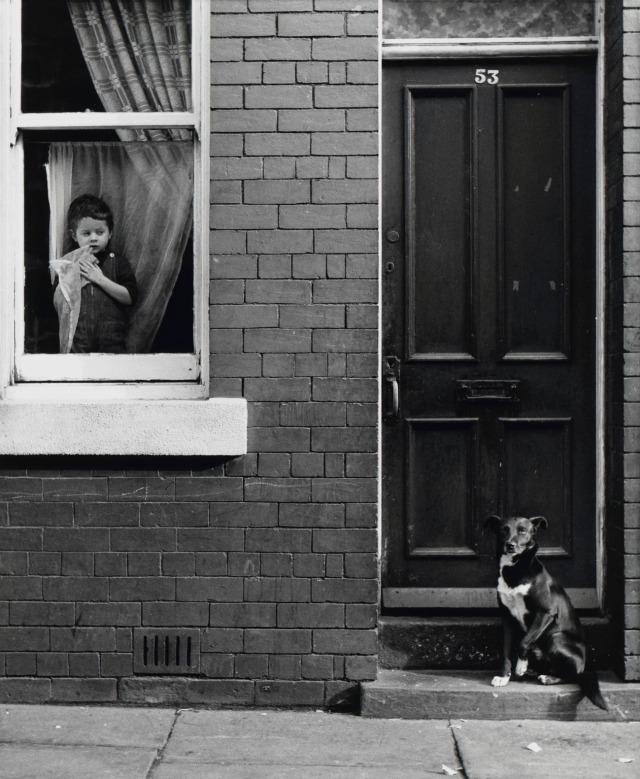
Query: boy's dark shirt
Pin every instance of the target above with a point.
(103, 323)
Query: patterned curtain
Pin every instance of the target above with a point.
(138, 53)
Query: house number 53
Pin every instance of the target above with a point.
(484, 76)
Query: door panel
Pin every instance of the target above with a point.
(541, 449)
(440, 496)
(488, 306)
(534, 215)
(439, 127)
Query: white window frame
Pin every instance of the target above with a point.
(37, 375)
(148, 408)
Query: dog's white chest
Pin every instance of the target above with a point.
(512, 598)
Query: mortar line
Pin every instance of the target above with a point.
(160, 753)
(458, 753)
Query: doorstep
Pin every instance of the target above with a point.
(415, 694)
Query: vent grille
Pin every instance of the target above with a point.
(166, 652)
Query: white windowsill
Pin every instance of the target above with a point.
(213, 427)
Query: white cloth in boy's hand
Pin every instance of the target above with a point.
(67, 295)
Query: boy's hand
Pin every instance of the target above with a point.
(90, 270)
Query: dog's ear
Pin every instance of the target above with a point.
(539, 522)
(492, 523)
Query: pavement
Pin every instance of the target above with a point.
(96, 742)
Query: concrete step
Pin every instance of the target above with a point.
(469, 695)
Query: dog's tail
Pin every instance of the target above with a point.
(588, 681)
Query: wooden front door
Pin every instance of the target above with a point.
(489, 320)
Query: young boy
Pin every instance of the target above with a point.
(107, 285)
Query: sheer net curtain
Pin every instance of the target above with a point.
(149, 190)
(138, 53)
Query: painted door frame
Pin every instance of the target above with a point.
(429, 49)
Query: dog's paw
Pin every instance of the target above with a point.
(500, 681)
(521, 667)
(545, 679)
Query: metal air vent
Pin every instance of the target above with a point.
(166, 652)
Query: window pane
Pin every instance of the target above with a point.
(488, 18)
(54, 73)
(106, 55)
(135, 226)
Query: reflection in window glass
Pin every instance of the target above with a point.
(54, 72)
(145, 223)
(106, 55)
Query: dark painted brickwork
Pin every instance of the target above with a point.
(294, 330)
(273, 556)
(623, 326)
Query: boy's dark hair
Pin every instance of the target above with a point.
(91, 206)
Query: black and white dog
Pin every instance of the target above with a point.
(537, 616)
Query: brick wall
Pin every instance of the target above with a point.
(629, 459)
(623, 329)
(272, 556)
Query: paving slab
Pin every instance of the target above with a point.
(570, 750)
(303, 744)
(32, 761)
(85, 725)
(104, 742)
(209, 771)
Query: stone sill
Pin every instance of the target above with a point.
(213, 427)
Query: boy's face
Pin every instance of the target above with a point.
(93, 233)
